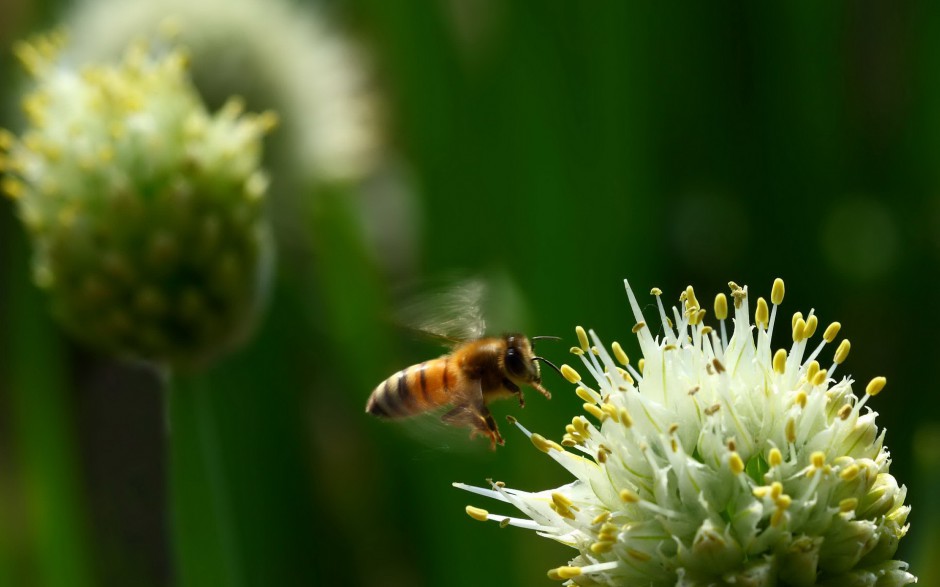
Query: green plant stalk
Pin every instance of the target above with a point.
(239, 476)
(204, 539)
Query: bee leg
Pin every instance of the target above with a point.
(492, 431)
(479, 419)
(516, 390)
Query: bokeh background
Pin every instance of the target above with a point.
(553, 148)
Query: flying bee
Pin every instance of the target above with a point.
(468, 379)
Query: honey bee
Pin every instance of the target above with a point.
(475, 373)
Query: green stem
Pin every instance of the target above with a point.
(204, 533)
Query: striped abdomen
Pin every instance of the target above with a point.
(416, 389)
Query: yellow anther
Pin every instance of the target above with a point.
(568, 441)
(791, 430)
(776, 490)
(641, 364)
(699, 316)
(7, 139)
(580, 425)
(848, 504)
(783, 502)
(601, 518)
(811, 323)
(811, 370)
(582, 338)
(820, 377)
(594, 350)
(12, 187)
(712, 409)
(477, 513)
(611, 410)
(777, 518)
(775, 457)
(799, 327)
(638, 554)
(690, 294)
(719, 367)
(504, 522)
(595, 411)
(780, 361)
(561, 511)
(543, 444)
(762, 313)
(638, 327)
(669, 347)
(570, 374)
(760, 492)
(842, 352)
(656, 291)
(735, 463)
(844, 411)
(850, 472)
(830, 334)
(875, 386)
(629, 496)
(818, 459)
(796, 317)
(706, 330)
(566, 572)
(268, 121)
(584, 394)
(576, 350)
(621, 356)
(602, 547)
(800, 399)
(626, 376)
(561, 500)
(776, 293)
(625, 418)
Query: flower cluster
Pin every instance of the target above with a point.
(146, 212)
(276, 54)
(719, 461)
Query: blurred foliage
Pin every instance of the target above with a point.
(563, 145)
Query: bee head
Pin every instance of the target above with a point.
(519, 360)
(521, 363)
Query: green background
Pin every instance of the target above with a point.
(554, 148)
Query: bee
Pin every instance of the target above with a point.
(475, 373)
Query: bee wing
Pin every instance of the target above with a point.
(451, 314)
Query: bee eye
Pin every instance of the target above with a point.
(514, 363)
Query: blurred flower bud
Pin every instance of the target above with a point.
(146, 212)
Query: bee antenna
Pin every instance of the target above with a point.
(545, 338)
(549, 363)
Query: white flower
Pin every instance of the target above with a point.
(274, 53)
(719, 461)
(145, 211)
